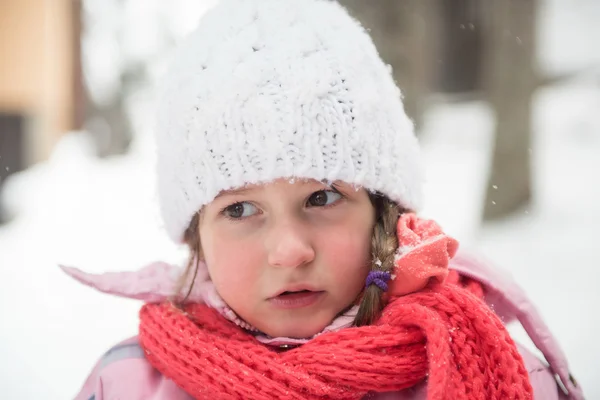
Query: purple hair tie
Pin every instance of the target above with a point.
(379, 278)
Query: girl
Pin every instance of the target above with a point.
(287, 164)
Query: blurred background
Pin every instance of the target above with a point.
(505, 95)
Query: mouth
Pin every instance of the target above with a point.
(297, 298)
(291, 292)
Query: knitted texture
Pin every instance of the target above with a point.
(268, 89)
(445, 334)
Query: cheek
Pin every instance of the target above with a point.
(232, 263)
(347, 250)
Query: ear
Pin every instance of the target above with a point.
(424, 252)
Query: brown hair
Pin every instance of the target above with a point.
(384, 244)
(191, 238)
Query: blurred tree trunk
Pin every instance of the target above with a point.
(109, 122)
(461, 46)
(77, 81)
(109, 125)
(509, 80)
(405, 34)
(12, 150)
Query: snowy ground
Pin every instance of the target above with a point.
(101, 216)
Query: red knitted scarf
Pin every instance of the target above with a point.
(445, 334)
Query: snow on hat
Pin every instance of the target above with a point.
(267, 89)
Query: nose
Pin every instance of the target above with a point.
(289, 245)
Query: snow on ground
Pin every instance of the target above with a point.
(102, 215)
(76, 211)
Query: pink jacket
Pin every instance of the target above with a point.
(124, 373)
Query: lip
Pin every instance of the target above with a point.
(306, 296)
(295, 288)
(296, 300)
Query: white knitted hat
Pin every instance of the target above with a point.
(266, 89)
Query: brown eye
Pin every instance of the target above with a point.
(323, 198)
(239, 210)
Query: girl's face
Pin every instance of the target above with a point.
(288, 257)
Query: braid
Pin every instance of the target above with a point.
(384, 244)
